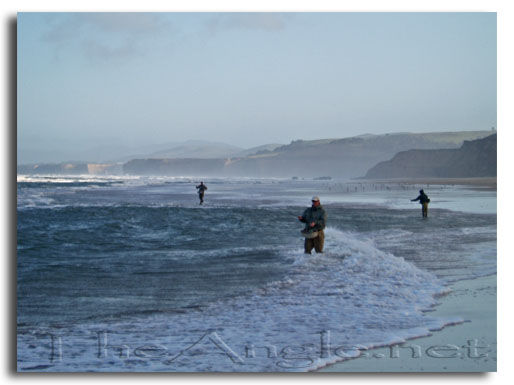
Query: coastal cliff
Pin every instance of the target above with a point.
(339, 158)
(475, 158)
(342, 158)
(70, 169)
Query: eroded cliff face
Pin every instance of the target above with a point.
(477, 158)
(71, 169)
(104, 169)
(61, 168)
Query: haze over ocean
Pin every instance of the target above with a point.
(93, 83)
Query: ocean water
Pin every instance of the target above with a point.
(132, 274)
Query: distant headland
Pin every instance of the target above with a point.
(436, 154)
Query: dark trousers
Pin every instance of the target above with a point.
(200, 195)
(315, 243)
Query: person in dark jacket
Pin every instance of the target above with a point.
(201, 191)
(315, 219)
(423, 199)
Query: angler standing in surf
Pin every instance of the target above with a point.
(315, 219)
(423, 199)
(201, 191)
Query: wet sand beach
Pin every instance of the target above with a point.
(466, 347)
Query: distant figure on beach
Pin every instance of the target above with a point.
(201, 191)
(423, 199)
(315, 219)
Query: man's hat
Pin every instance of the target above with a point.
(315, 199)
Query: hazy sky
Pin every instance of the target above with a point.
(91, 80)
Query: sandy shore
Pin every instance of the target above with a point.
(466, 347)
(482, 183)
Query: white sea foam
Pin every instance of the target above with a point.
(329, 307)
(86, 178)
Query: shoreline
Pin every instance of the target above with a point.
(469, 346)
(489, 183)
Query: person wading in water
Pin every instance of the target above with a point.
(201, 191)
(423, 199)
(315, 219)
